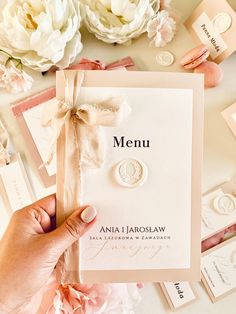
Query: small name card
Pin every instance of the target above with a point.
(178, 294)
(219, 270)
(14, 185)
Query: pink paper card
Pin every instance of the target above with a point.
(178, 294)
(213, 23)
(28, 113)
(229, 114)
(138, 229)
(15, 188)
(219, 270)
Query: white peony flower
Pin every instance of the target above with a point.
(114, 21)
(161, 29)
(41, 33)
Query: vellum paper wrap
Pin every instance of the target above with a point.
(77, 128)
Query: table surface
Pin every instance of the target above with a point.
(219, 144)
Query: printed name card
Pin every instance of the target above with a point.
(219, 270)
(213, 23)
(141, 219)
(14, 185)
(218, 212)
(178, 294)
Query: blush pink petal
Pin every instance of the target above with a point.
(14, 80)
(161, 29)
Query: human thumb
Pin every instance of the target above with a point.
(73, 228)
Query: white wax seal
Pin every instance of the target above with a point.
(165, 58)
(130, 172)
(225, 204)
(222, 22)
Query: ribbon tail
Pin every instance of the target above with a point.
(69, 193)
(123, 63)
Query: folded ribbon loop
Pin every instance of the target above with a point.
(86, 118)
(87, 64)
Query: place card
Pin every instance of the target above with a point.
(179, 294)
(15, 188)
(213, 23)
(219, 270)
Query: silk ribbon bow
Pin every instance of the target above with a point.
(86, 120)
(79, 138)
(4, 146)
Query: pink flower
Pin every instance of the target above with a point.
(13, 79)
(165, 4)
(161, 29)
(79, 299)
(90, 299)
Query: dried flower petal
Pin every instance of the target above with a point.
(161, 29)
(14, 80)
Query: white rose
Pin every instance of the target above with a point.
(114, 21)
(41, 33)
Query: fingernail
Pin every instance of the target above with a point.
(88, 214)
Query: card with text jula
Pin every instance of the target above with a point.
(130, 144)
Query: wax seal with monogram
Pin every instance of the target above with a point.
(131, 172)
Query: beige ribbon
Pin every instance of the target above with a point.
(4, 146)
(79, 138)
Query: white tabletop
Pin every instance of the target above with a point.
(219, 143)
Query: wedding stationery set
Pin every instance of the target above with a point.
(108, 155)
(129, 143)
(120, 136)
